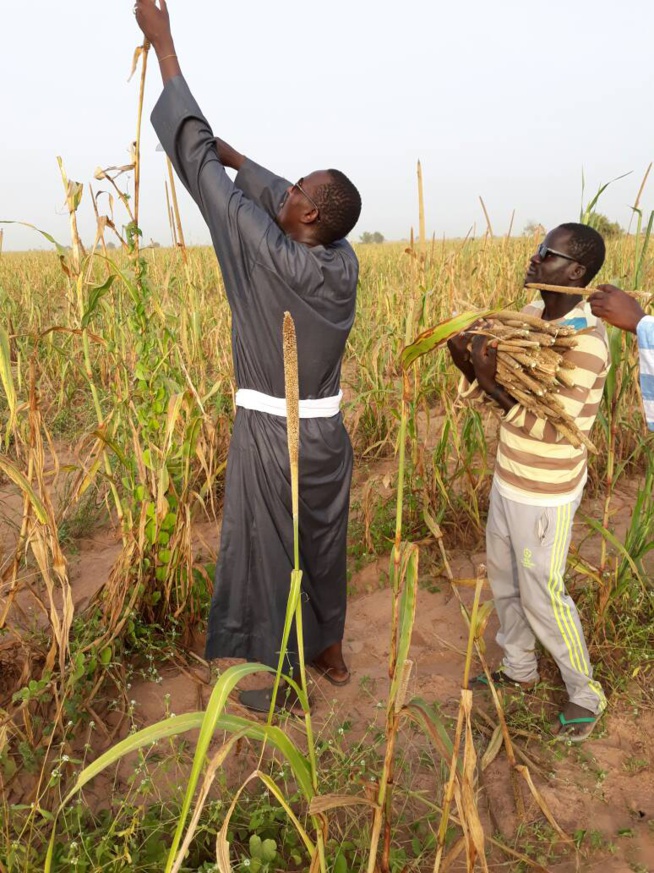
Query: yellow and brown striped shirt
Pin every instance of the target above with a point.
(534, 463)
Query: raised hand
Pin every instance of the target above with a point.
(155, 24)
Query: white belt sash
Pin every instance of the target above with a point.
(321, 407)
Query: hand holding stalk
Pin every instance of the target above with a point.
(155, 24)
(617, 307)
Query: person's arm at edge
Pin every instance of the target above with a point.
(621, 310)
(616, 307)
(645, 334)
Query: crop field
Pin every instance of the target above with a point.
(121, 749)
(115, 415)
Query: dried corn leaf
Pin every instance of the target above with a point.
(540, 800)
(324, 802)
(493, 748)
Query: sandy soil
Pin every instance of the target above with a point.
(605, 786)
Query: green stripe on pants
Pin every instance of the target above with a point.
(526, 552)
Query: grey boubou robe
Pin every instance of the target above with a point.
(266, 273)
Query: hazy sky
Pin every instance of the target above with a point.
(508, 100)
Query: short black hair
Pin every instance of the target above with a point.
(587, 246)
(339, 203)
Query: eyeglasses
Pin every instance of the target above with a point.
(543, 251)
(299, 187)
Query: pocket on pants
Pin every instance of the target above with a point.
(543, 526)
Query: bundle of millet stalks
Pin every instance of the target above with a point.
(531, 366)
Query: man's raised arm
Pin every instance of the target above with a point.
(258, 184)
(155, 24)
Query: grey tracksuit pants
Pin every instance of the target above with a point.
(526, 548)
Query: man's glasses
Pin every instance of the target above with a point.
(543, 251)
(299, 187)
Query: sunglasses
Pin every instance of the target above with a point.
(543, 251)
(299, 187)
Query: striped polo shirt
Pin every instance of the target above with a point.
(645, 334)
(535, 464)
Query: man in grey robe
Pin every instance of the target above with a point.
(281, 247)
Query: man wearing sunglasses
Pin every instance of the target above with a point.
(281, 247)
(621, 310)
(538, 483)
